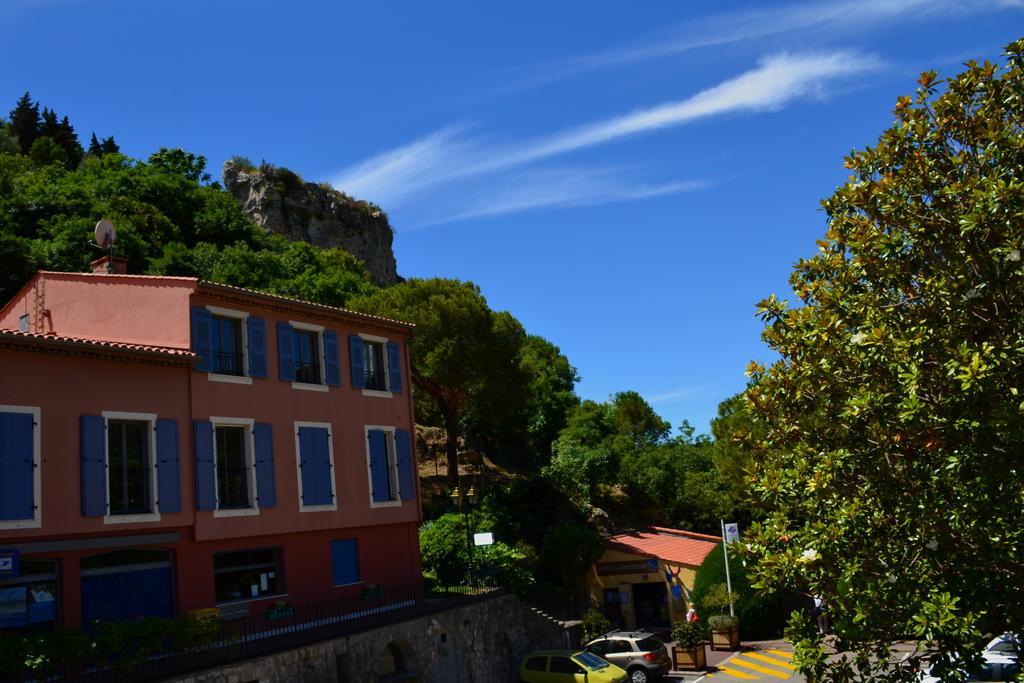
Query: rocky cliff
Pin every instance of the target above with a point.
(282, 203)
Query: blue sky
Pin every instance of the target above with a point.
(628, 179)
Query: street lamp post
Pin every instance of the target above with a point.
(463, 501)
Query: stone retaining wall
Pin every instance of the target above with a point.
(478, 643)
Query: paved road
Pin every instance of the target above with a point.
(770, 665)
(767, 662)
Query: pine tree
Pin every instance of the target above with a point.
(94, 147)
(68, 140)
(25, 122)
(108, 146)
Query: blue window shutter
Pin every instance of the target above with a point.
(357, 361)
(394, 367)
(285, 352)
(168, 475)
(332, 364)
(17, 466)
(202, 323)
(256, 330)
(403, 458)
(266, 491)
(206, 489)
(344, 562)
(307, 463)
(94, 465)
(379, 466)
(324, 471)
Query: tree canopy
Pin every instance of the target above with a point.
(894, 420)
(465, 357)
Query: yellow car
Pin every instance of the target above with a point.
(568, 666)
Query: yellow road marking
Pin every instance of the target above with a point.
(758, 668)
(782, 653)
(737, 673)
(770, 660)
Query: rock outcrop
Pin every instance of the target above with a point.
(282, 203)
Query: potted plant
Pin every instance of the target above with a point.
(725, 628)
(688, 651)
(725, 632)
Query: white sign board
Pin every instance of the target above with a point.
(483, 539)
(732, 533)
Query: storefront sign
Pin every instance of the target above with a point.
(8, 563)
(631, 567)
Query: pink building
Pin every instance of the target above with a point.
(168, 444)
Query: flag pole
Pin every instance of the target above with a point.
(728, 580)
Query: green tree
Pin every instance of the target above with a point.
(465, 357)
(894, 419)
(25, 122)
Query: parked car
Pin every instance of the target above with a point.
(994, 666)
(1006, 644)
(642, 654)
(568, 666)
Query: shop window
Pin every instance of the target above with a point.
(247, 574)
(29, 601)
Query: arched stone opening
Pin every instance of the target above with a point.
(397, 662)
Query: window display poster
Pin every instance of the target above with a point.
(13, 606)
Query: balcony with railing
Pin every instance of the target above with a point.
(227, 363)
(307, 372)
(376, 381)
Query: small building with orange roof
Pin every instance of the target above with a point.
(645, 577)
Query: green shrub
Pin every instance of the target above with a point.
(689, 635)
(595, 624)
(760, 614)
(244, 163)
(722, 622)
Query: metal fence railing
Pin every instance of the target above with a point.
(282, 629)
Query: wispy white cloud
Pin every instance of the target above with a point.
(821, 18)
(403, 175)
(548, 188)
(681, 394)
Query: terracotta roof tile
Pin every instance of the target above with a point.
(96, 344)
(671, 545)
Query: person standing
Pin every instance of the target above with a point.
(691, 614)
(821, 615)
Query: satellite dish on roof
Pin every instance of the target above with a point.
(105, 233)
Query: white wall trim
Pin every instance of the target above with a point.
(230, 379)
(37, 471)
(298, 467)
(310, 387)
(392, 466)
(250, 465)
(377, 394)
(151, 418)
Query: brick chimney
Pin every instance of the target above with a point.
(117, 265)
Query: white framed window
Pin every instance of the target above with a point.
(229, 346)
(131, 482)
(376, 370)
(310, 362)
(382, 466)
(314, 465)
(234, 466)
(22, 433)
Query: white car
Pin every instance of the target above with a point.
(1000, 661)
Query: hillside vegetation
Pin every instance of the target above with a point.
(572, 468)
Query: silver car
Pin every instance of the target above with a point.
(643, 655)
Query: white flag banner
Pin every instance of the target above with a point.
(732, 533)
